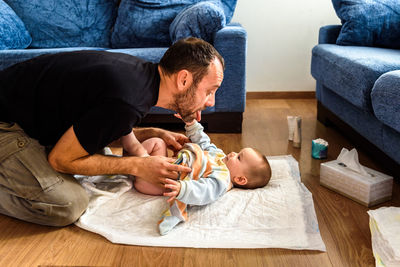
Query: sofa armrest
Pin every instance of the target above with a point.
(328, 34)
(231, 43)
(385, 98)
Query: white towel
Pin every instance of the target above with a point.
(280, 215)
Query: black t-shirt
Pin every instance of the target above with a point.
(101, 94)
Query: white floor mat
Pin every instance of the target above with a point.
(281, 215)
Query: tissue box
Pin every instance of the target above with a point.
(367, 191)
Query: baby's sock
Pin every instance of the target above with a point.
(167, 224)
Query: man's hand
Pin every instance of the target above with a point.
(174, 141)
(155, 170)
(175, 188)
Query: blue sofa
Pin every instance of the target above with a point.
(358, 89)
(143, 28)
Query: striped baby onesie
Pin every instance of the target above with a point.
(208, 180)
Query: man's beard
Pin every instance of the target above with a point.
(183, 104)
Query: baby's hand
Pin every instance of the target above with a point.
(187, 123)
(175, 188)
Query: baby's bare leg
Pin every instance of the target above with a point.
(155, 147)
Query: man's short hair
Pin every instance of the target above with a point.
(192, 54)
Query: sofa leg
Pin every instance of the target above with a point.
(219, 122)
(323, 115)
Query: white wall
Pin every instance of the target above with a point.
(281, 34)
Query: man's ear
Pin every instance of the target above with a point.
(184, 79)
(240, 180)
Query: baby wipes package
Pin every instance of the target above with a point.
(384, 224)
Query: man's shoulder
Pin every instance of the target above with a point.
(116, 56)
(112, 66)
(93, 57)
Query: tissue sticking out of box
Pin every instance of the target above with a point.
(350, 160)
(319, 149)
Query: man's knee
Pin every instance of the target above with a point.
(60, 206)
(68, 205)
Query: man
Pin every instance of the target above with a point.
(76, 103)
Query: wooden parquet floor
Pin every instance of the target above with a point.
(343, 223)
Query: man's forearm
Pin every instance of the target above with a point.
(99, 164)
(68, 156)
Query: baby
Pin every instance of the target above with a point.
(213, 174)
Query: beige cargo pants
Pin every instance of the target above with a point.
(30, 189)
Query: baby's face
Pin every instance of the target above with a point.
(239, 163)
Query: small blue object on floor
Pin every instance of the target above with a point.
(319, 149)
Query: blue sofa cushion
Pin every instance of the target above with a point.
(227, 41)
(351, 71)
(200, 20)
(369, 22)
(229, 8)
(145, 23)
(13, 34)
(385, 98)
(67, 23)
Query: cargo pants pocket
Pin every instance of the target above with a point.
(24, 169)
